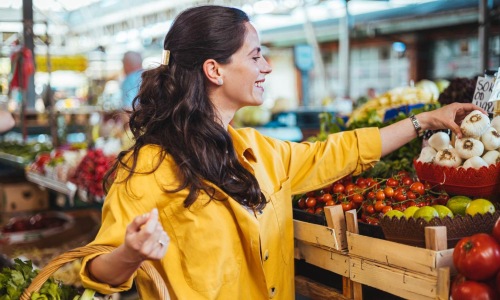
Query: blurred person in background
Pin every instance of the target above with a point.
(132, 67)
(6, 121)
(209, 205)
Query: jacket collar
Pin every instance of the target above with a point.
(241, 145)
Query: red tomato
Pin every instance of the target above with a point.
(310, 210)
(392, 182)
(357, 198)
(459, 279)
(380, 195)
(417, 187)
(370, 195)
(379, 206)
(361, 181)
(338, 188)
(477, 256)
(327, 197)
(330, 203)
(311, 202)
(389, 191)
(386, 209)
(411, 195)
(319, 210)
(370, 209)
(301, 203)
(472, 290)
(406, 181)
(400, 195)
(349, 188)
(347, 205)
(496, 230)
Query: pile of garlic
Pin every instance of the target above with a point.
(479, 146)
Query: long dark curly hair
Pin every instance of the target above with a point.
(172, 109)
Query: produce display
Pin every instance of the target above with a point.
(26, 152)
(395, 98)
(477, 260)
(372, 197)
(90, 173)
(478, 148)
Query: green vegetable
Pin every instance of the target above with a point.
(13, 281)
(399, 160)
(88, 294)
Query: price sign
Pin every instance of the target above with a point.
(483, 91)
(495, 94)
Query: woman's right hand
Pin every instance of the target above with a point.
(145, 238)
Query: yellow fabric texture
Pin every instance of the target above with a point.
(217, 248)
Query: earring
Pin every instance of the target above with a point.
(219, 81)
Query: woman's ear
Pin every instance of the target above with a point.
(213, 71)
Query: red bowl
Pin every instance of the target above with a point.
(483, 182)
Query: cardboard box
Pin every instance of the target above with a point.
(22, 197)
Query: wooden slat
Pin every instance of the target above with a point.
(316, 291)
(336, 220)
(405, 284)
(315, 234)
(327, 259)
(393, 254)
(436, 238)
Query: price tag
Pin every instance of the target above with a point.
(495, 94)
(483, 93)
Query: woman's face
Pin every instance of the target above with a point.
(243, 77)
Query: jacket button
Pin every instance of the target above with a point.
(266, 255)
(272, 292)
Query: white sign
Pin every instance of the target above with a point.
(495, 94)
(483, 93)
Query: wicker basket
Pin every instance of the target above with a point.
(57, 262)
(412, 232)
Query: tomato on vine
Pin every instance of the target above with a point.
(418, 188)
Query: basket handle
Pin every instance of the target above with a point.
(58, 261)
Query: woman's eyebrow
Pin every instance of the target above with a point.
(255, 49)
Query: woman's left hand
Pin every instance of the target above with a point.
(449, 116)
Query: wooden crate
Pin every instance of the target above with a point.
(325, 246)
(332, 236)
(405, 271)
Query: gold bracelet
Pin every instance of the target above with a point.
(417, 126)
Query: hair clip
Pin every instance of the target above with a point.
(165, 57)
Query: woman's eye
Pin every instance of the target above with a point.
(256, 58)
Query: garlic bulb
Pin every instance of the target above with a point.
(469, 147)
(495, 123)
(492, 157)
(448, 158)
(491, 139)
(475, 162)
(439, 141)
(427, 154)
(475, 124)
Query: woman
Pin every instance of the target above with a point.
(210, 205)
